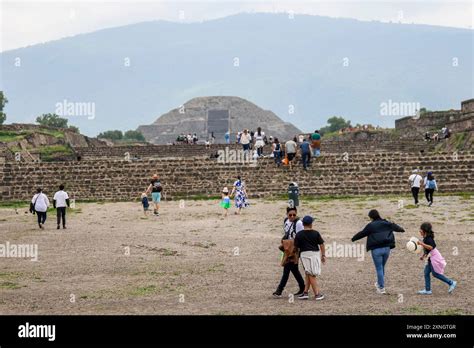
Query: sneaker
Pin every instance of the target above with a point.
(319, 297)
(381, 291)
(452, 287)
(277, 294)
(429, 204)
(64, 228)
(425, 292)
(299, 293)
(377, 285)
(57, 227)
(303, 296)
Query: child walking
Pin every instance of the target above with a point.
(435, 263)
(225, 203)
(145, 203)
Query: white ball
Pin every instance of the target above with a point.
(412, 246)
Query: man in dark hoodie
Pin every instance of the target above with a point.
(380, 240)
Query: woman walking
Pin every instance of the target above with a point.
(259, 143)
(155, 189)
(245, 141)
(39, 205)
(430, 187)
(380, 240)
(240, 199)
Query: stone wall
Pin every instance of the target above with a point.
(467, 106)
(335, 174)
(337, 145)
(427, 122)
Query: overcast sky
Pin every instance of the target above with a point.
(25, 23)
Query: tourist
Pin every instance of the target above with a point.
(276, 147)
(430, 187)
(291, 226)
(436, 263)
(239, 134)
(316, 143)
(305, 149)
(245, 141)
(60, 202)
(312, 254)
(380, 240)
(300, 138)
(213, 138)
(227, 137)
(415, 183)
(290, 150)
(225, 202)
(240, 193)
(259, 143)
(195, 139)
(39, 205)
(155, 188)
(145, 203)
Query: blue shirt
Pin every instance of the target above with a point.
(305, 148)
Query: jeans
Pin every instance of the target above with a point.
(429, 269)
(277, 157)
(41, 217)
(259, 151)
(316, 152)
(429, 195)
(293, 268)
(380, 257)
(414, 192)
(61, 214)
(305, 157)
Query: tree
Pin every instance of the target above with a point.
(74, 129)
(3, 101)
(111, 135)
(334, 124)
(133, 135)
(52, 120)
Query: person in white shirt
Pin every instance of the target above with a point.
(245, 141)
(290, 150)
(39, 205)
(60, 202)
(291, 226)
(415, 181)
(259, 143)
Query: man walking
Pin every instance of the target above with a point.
(39, 205)
(305, 153)
(312, 254)
(415, 182)
(290, 150)
(316, 143)
(291, 225)
(60, 201)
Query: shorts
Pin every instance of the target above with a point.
(291, 156)
(156, 197)
(311, 261)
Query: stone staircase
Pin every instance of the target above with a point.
(331, 174)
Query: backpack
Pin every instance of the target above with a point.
(278, 149)
(431, 184)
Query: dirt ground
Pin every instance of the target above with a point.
(113, 260)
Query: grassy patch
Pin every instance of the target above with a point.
(9, 136)
(143, 291)
(10, 285)
(14, 204)
(53, 152)
(415, 310)
(450, 311)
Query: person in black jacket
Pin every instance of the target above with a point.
(380, 240)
